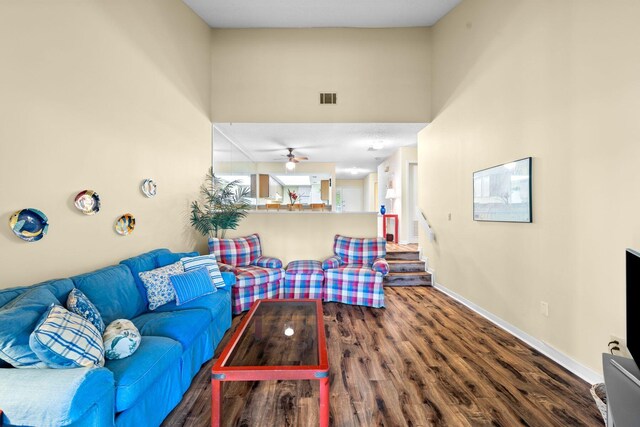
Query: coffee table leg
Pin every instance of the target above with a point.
(324, 402)
(215, 402)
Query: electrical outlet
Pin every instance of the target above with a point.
(622, 343)
(544, 308)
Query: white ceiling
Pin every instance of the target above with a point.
(320, 13)
(345, 144)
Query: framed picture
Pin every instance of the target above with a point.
(503, 193)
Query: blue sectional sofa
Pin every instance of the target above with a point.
(138, 390)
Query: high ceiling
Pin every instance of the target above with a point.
(356, 148)
(324, 13)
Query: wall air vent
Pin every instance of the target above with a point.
(328, 98)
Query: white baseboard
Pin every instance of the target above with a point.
(560, 358)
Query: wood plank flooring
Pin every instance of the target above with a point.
(425, 360)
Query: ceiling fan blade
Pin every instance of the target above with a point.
(294, 160)
(301, 158)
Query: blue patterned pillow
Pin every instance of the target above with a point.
(192, 285)
(159, 289)
(209, 261)
(64, 339)
(78, 303)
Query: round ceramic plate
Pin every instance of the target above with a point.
(149, 187)
(125, 224)
(88, 202)
(29, 224)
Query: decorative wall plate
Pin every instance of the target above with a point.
(149, 187)
(29, 224)
(88, 202)
(125, 224)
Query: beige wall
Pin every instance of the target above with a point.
(557, 81)
(276, 75)
(307, 235)
(100, 95)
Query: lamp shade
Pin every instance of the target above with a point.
(391, 194)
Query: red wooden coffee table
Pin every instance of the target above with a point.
(279, 339)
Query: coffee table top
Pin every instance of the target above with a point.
(277, 339)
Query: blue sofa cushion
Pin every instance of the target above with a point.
(113, 291)
(135, 374)
(192, 285)
(183, 326)
(217, 304)
(59, 287)
(145, 262)
(17, 320)
(54, 397)
(171, 258)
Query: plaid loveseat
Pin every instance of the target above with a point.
(257, 276)
(354, 274)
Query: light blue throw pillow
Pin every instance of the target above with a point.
(63, 339)
(209, 261)
(121, 339)
(78, 303)
(192, 285)
(159, 289)
(18, 318)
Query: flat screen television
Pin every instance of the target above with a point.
(633, 299)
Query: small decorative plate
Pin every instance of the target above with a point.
(88, 202)
(125, 224)
(149, 187)
(29, 224)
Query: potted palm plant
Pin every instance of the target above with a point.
(221, 207)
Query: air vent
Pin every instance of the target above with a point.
(328, 98)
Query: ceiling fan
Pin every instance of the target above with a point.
(292, 160)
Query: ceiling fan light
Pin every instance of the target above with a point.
(379, 145)
(290, 165)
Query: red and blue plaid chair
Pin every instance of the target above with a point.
(354, 274)
(257, 276)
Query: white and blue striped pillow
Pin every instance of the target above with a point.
(64, 339)
(192, 285)
(209, 261)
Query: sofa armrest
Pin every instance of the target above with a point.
(57, 396)
(229, 279)
(380, 265)
(332, 262)
(267, 262)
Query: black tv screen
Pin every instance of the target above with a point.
(633, 299)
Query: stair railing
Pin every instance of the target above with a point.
(425, 224)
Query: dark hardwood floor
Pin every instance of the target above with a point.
(424, 360)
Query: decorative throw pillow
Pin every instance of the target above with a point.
(159, 289)
(78, 303)
(18, 318)
(64, 339)
(209, 261)
(192, 285)
(121, 339)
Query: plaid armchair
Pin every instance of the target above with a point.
(257, 276)
(354, 274)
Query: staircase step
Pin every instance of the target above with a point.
(403, 255)
(408, 279)
(400, 266)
